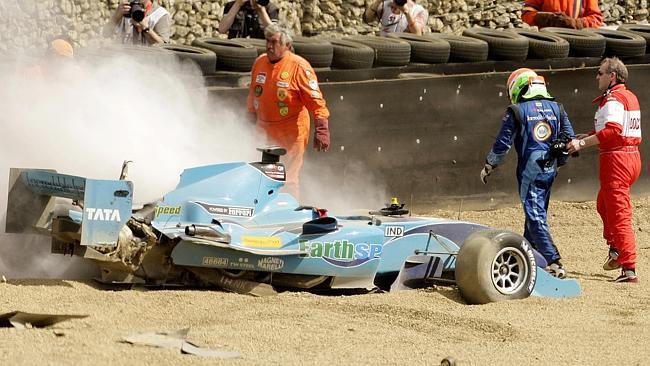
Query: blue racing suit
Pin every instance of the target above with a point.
(532, 125)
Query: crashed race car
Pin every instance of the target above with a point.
(227, 225)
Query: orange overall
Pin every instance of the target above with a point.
(282, 94)
(586, 11)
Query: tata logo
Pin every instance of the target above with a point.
(393, 231)
(103, 214)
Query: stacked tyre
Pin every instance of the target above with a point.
(204, 59)
(388, 51)
(583, 43)
(231, 55)
(622, 43)
(503, 45)
(425, 49)
(544, 45)
(642, 30)
(463, 49)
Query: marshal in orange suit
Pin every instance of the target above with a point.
(283, 90)
(575, 14)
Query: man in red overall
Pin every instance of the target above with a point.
(618, 135)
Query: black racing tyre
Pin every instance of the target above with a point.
(503, 45)
(388, 51)
(544, 45)
(495, 265)
(259, 44)
(319, 52)
(642, 30)
(205, 59)
(463, 49)
(231, 55)
(351, 55)
(582, 43)
(425, 49)
(622, 43)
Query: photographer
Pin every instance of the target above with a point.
(247, 18)
(397, 16)
(141, 22)
(540, 130)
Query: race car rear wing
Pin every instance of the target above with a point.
(106, 204)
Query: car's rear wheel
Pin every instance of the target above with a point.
(495, 265)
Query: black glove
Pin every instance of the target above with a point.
(486, 171)
(545, 19)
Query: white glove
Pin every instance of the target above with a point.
(485, 172)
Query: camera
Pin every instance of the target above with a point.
(263, 2)
(137, 11)
(400, 2)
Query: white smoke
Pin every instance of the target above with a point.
(85, 118)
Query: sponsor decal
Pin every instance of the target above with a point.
(227, 210)
(274, 171)
(102, 214)
(313, 84)
(315, 94)
(308, 73)
(258, 90)
(270, 263)
(394, 231)
(282, 104)
(261, 241)
(215, 261)
(282, 93)
(533, 271)
(542, 131)
(167, 210)
(284, 111)
(282, 84)
(540, 118)
(341, 253)
(256, 104)
(284, 75)
(242, 263)
(260, 78)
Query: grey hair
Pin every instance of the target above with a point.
(613, 64)
(271, 29)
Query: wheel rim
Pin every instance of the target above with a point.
(509, 270)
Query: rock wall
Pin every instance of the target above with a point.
(26, 24)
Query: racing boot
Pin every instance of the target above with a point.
(627, 275)
(556, 269)
(611, 263)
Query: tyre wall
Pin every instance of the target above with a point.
(427, 138)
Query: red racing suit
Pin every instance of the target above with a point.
(282, 94)
(618, 128)
(587, 11)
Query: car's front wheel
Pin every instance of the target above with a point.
(495, 265)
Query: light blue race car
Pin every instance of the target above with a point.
(227, 225)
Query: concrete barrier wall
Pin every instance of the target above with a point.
(427, 138)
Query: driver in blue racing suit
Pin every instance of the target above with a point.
(534, 123)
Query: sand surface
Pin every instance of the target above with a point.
(609, 323)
